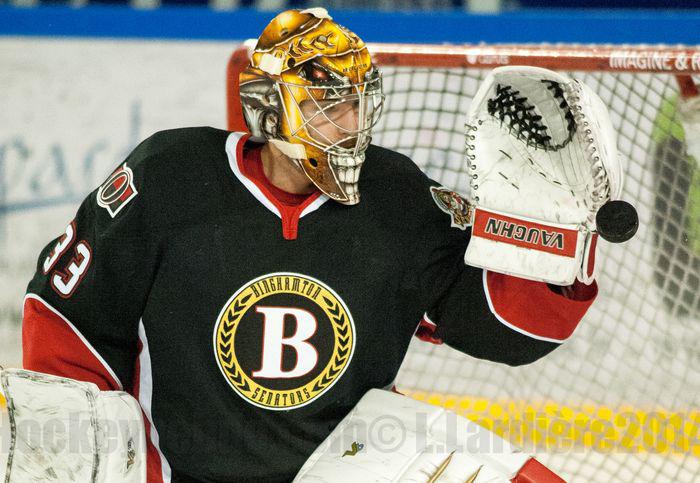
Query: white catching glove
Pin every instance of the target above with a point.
(542, 156)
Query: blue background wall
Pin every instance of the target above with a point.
(585, 26)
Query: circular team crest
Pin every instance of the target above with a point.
(283, 339)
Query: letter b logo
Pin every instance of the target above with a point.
(283, 339)
(274, 342)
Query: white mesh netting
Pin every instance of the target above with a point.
(629, 373)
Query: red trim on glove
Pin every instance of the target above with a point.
(577, 291)
(533, 309)
(591, 256)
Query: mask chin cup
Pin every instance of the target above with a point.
(347, 172)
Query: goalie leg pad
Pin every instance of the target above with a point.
(60, 429)
(390, 437)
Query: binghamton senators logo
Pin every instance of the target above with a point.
(117, 191)
(283, 339)
(453, 204)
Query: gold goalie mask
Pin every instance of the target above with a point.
(311, 90)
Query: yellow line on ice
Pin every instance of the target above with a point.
(553, 427)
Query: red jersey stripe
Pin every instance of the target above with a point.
(53, 345)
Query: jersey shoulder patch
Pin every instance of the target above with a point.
(117, 191)
(453, 204)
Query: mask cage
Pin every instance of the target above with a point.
(315, 106)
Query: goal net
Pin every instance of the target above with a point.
(619, 401)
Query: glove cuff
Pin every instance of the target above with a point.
(526, 248)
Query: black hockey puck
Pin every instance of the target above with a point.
(617, 221)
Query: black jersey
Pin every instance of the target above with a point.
(248, 329)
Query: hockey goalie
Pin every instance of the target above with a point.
(247, 298)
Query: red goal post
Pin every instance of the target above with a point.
(681, 62)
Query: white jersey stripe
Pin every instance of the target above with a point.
(146, 398)
(314, 205)
(232, 145)
(428, 320)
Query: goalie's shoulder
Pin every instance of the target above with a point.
(178, 148)
(163, 174)
(178, 160)
(393, 168)
(408, 197)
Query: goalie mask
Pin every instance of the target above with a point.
(311, 90)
